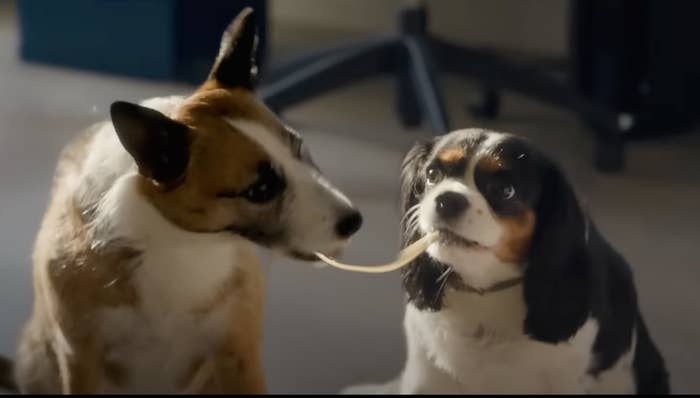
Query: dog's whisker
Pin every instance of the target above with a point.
(445, 274)
(412, 219)
(413, 210)
(443, 279)
(412, 224)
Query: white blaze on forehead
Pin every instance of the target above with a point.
(270, 141)
(459, 137)
(478, 222)
(486, 147)
(281, 153)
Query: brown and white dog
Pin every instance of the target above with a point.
(145, 271)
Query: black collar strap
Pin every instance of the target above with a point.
(497, 287)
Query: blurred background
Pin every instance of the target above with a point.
(606, 88)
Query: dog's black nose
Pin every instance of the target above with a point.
(349, 224)
(450, 204)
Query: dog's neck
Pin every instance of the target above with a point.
(496, 316)
(478, 270)
(440, 273)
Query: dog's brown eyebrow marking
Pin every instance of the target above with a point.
(491, 162)
(452, 155)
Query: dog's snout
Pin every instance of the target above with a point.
(450, 204)
(349, 224)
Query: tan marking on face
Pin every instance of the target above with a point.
(452, 155)
(222, 159)
(490, 163)
(517, 234)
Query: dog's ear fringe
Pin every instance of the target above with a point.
(421, 278)
(411, 183)
(557, 282)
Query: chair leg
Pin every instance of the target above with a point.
(499, 73)
(425, 85)
(609, 153)
(333, 71)
(280, 70)
(407, 104)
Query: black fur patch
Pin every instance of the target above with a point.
(425, 281)
(236, 66)
(158, 144)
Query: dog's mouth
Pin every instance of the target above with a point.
(298, 255)
(449, 238)
(311, 257)
(276, 242)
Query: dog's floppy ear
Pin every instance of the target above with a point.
(158, 144)
(424, 279)
(412, 185)
(557, 279)
(235, 64)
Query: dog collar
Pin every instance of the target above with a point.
(497, 287)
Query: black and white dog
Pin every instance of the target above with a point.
(521, 294)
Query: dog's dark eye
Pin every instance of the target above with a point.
(433, 175)
(502, 190)
(266, 187)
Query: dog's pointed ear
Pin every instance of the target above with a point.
(412, 185)
(158, 144)
(558, 275)
(235, 64)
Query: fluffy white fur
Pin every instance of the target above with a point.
(475, 345)
(177, 269)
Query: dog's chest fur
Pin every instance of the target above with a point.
(475, 344)
(177, 279)
(188, 286)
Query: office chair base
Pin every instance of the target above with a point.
(412, 57)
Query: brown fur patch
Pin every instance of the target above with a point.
(231, 285)
(222, 159)
(115, 373)
(235, 366)
(238, 362)
(74, 278)
(85, 275)
(515, 243)
(490, 163)
(196, 376)
(452, 155)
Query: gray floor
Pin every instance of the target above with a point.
(326, 329)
